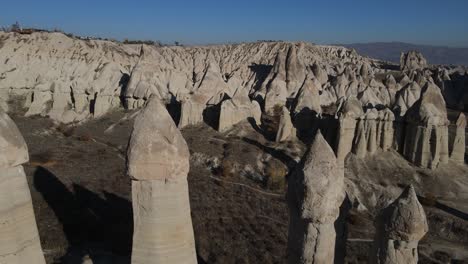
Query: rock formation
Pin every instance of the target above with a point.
(65, 79)
(315, 194)
(70, 80)
(412, 60)
(349, 112)
(158, 164)
(457, 153)
(19, 237)
(366, 134)
(237, 109)
(285, 80)
(399, 228)
(426, 139)
(286, 130)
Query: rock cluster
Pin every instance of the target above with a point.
(412, 60)
(65, 79)
(399, 227)
(239, 108)
(426, 139)
(19, 237)
(158, 164)
(374, 131)
(226, 84)
(315, 194)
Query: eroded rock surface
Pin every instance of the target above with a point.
(158, 163)
(399, 228)
(19, 237)
(315, 194)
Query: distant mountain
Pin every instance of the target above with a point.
(390, 51)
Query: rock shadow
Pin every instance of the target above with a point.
(92, 223)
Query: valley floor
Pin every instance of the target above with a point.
(82, 198)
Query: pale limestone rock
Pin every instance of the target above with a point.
(286, 130)
(315, 194)
(393, 87)
(369, 98)
(308, 98)
(365, 141)
(320, 73)
(399, 228)
(407, 97)
(349, 111)
(158, 163)
(69, 79)
(374, 131)
(55, 70)
(285, 79)
(295, 71)
(191, 112)
(458, 145)
(237, 109)
(276, 88)
(426, 139)
(385, 129)
(19, 237)
(412, 60)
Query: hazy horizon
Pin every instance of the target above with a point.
(418, 22)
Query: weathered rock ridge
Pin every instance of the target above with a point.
(373, 107)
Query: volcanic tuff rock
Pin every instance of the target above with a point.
(286, 130)
(237, 109)
(412, 60)
(348, 113)
(426, 140)
(457, 153)
(19, 237)
(315, 194)
(158, 163)
(65, 79)
(226, 84)
(399, 227)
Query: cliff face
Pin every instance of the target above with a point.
(71, 80)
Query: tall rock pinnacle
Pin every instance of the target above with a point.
(315, 193)
(399, 228)
(158, 163)
(19, 237)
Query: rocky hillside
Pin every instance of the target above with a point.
(388, 125)
(390, 51)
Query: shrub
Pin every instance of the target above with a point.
(42, 159)
(428, 200)
(85, 137)
(275, 175)
(65, 130)
(227, 168)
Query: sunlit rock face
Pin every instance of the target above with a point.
(158, 164)
(19, 237)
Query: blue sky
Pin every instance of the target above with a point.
(432, 22)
